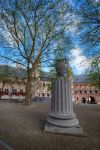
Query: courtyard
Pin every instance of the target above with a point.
(22, 128)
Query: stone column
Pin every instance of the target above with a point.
(62, 119)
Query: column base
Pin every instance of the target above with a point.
(76, 130)
(63, 123)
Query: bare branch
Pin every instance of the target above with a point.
(14, 61)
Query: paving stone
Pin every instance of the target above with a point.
(22, 128)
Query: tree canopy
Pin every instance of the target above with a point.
(29, 31)
(89, 27)
(94, 73)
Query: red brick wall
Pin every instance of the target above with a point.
(85, 90)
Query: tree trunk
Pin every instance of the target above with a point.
(28, 95)
(3, 84)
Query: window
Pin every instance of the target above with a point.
(14, 91)
(90, 91)
(75, 91)
(48, 94)
(44, 84)
(85, 91)
(43, 94)
(87, 87)
(96, 91)
(6, 91)
(82, 91)
(21, 91)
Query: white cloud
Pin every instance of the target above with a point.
(97, 0)
(78, 61)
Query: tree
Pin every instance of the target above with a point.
(9, 74)
(5, 75)
(89, 14)
(94, 74)
(62, 51)
(63, 46)
(32, 28)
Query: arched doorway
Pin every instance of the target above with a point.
(92, 100)
(83, 100)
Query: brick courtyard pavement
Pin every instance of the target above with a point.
(21, 128)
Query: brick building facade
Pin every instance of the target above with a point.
(82, 89)
(15, 89)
